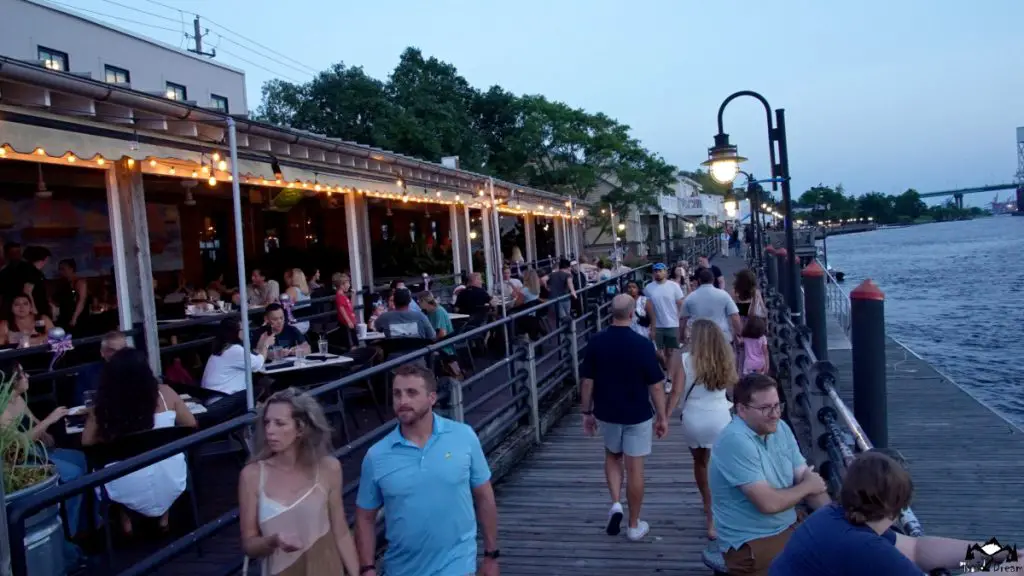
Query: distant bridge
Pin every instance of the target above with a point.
(962, 191)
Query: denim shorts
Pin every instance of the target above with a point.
(631, 439)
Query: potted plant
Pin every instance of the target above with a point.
(26, 472)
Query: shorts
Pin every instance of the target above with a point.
(633, 439)
(666, 338)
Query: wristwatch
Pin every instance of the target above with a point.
(365, 569)
(492, 554)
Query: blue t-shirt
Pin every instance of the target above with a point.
(427, 496)
(741, 456)
(826, 544)
(623, 365)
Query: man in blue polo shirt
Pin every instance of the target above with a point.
(619, 377)
(427, 474)
(757, 476)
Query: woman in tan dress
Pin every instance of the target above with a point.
(290, 493)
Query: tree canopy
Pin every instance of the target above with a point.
(427, 110)
(832, 203)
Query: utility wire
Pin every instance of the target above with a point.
(272, 59)
(271, 50)
(169, 19)
(292, 80)
(113, 17)
(162, 5)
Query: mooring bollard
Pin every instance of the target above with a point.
(783, 278)
(771, 267)
(867, 336)
(813, 279)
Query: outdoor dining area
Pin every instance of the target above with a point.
(229, 272)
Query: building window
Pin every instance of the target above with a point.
(54, 59)
(220, 103)
(176, 92)
(115, 75)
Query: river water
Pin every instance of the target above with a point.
(955, 295)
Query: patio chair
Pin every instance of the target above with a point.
(101, 455)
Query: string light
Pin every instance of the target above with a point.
(222, 165)
(131, 162)
(152, 163)
(40, 151)
(171, 170)
(71, 158)
(212, 181)
(101, 161)
(195, 174)
(216, 157)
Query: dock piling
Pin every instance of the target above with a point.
(813, 280)
(867, 337)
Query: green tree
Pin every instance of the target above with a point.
(909, 206)
(877, 206)
(340, 102)
(435, 111)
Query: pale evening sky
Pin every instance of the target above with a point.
(879, 95)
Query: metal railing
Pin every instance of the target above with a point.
(837, 301)
(536, 369)
(825, 427)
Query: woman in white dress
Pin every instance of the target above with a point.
(709, 372)
(129, 399)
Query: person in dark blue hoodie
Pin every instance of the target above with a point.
(855, 536)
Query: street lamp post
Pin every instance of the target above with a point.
(723, 164)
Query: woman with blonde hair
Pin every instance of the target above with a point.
(709, 373)
(531, 288)
(298, 291)
(290, 493)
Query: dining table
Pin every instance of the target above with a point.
(74, 422)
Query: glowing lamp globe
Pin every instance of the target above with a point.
(723, 161)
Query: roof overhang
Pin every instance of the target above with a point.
(49, 116)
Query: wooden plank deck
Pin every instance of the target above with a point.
(553, 508)
(965, 459)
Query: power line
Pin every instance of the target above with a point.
(271, 50)
(142, 11)
(285, 64)
(113, 17)
(261, 67)
(161, 4)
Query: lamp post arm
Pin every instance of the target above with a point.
(768, 117)
(751, 93)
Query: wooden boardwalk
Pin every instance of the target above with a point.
(553, 507)
(967, 462)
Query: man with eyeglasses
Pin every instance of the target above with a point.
(757, 476)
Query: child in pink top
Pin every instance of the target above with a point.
(755, 346)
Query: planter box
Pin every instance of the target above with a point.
(44, 533)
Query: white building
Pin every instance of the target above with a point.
(676, 216)
(36, 31)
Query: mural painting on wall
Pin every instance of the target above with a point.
(80, 229)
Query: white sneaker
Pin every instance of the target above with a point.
(638, 533)
(614, 519)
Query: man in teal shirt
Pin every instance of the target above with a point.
(428, 474)
(757, 476)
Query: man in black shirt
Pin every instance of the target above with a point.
(473, 299)
(715, 270)
(26, 277)
(620, 376)
(286, 336)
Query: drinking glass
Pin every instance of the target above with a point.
(274, 353)
(322, 345)
(300, 356)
